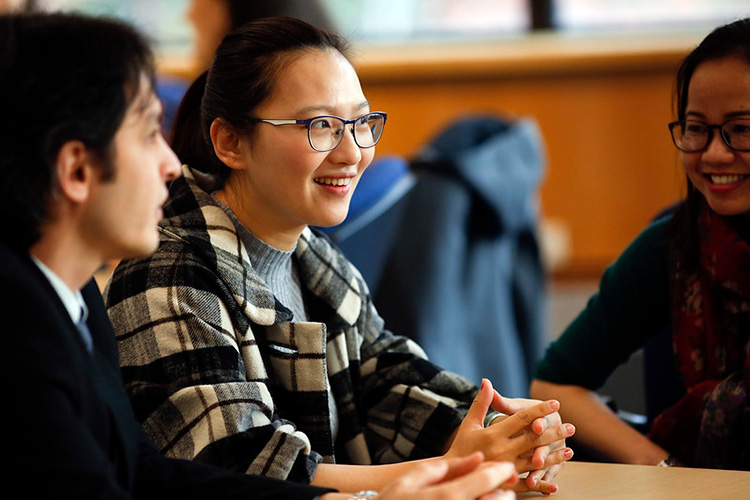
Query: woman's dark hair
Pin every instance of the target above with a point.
(729, 40)
(241, 77)
(63, 77)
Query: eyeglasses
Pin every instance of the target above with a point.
(326, 132)
(691, 136)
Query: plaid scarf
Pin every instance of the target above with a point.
(711, 311)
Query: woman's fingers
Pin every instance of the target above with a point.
(551, 435)
(458, 467)
(544, 456)
(557, 457)
(437, 471)
(554, 470)
(541, 486)
(480, 405)
(539, 425)
(499, 495)
(484, 479)
(511, 405)
(525, 417)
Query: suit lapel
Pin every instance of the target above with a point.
(106, 375)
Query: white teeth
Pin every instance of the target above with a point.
(339, 181)
(726, 179)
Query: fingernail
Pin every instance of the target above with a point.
(554, 405)
(568, 454)
(481, 386)
(570, 428)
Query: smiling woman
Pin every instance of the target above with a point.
(687, 273)
(279, 181)
(248, 340)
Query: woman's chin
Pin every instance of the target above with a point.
(331, 220)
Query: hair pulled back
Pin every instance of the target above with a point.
(242, 76)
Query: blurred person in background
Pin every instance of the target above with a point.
(213, 19)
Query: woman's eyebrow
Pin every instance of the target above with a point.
(728, 116)
(329, 109)
(738, 114)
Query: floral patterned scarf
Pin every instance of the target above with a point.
(708, 427)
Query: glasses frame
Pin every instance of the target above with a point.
(711, 129)
(277, 122)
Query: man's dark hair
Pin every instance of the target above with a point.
(63, 77)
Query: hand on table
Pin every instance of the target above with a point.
(532, 437)
(539, 456)
(466, 478)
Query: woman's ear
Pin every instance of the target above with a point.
(75, 171)
(226, 142)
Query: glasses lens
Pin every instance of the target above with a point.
(325, 133)
(690, 135)
(368, 129)
(737, 134)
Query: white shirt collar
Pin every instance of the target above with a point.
(72, 300)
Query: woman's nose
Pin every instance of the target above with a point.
(347, 151)
(717, 151)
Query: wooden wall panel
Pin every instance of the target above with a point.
(611, 163)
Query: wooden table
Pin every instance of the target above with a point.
(583, 480)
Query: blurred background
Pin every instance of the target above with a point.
(595, 76)
(413, 21)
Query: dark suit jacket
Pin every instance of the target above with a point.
(70, 430)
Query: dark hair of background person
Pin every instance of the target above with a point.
(52, 93)
(729, 40)
(311, 11)
(242, 76)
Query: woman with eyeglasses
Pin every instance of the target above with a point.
(248, 341)
(688, 271)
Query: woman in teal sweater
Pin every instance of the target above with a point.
(690, 271)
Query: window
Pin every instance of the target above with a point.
(398, 21)
(637, 15)
(407, 21)
(163, 21)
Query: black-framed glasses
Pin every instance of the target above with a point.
(691, 136)
(326, 132)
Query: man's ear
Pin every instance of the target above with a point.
(75, 171)
(226, 142)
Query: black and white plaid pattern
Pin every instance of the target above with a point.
(217, 371)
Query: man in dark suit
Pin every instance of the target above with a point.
(82, 178)
(83, 168)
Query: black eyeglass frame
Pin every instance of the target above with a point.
(710, 127)
(277, 122)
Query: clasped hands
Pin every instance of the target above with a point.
(531, 436)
